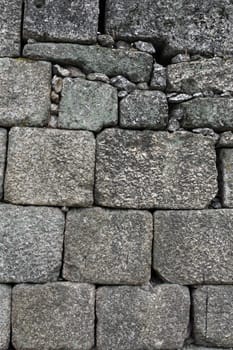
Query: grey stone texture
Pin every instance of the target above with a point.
(53, 316)
(213, 316)
(198, 27)
(131, 318)
(25, 92)
(159, 77)
(50, 167)
(226, 139)
(5, 316)
(108, 246)
(226, 167)
(132, 64)
(3, 150)
(215, 113)
(31, 243)
(144, 109)
(87, 105)
(59, 20)
(146, 169)
(213, 75)
(194, 246)
(10, 27)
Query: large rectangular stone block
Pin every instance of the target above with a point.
(146, 169)
(132, 64)
(214, 113)
(53, 316)
(87, 105)
(25, 92)
(108, 246)
(213, 316)
(10, 27)
(3, 150)
(203, 75)
(226, 166)
(61, 20)
(50, 167)
(194, 247)
(142, 318)
(5, 316)
(31, 243)
(199, 27)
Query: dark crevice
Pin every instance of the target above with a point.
(101, 23)
(63, 248)
(189, 339)
(219, 176)
(5, 166)
(22, 41)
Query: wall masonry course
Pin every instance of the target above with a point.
(134, 65)
(59, 20)
(80, 106)
(31, 243)
(5, 316)
(108, 246)
(213, 316)
(193, 246)
(25, 92)
(53, 316)
(134, 317)
(50, 167)
(10, 27)
(146, 169)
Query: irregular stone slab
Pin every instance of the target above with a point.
(144, 109)
(5, 316)
(50, 167)
(194, 247)
(215, 113)
(3, 149)
(25, 92)
(146, 169)
(142, 318)
(213, 316)
(31, 243)
(132, 64)
(10, 27)
(59, 20)
(53, 316)
(108, 246)
(87, 105)
(226, 166)
(226, 139)
(198, 27)
(198, 76)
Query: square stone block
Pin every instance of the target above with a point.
(87, 105)
(146, 169)
(108, 246)
(53, 316)
(25, 92)
(142, 317)
(50, 167)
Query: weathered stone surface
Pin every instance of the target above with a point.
(50, 167)
(215, 113)
(59, 20)
(5, 316)
(193, 247)
(196, 27)
(199, 76)
(87, 105)
(196, 347)
(159, 77)
(142, 318)
(213, 316)
(31, 243)
(25, 92)
(144, 109)
(3, 142)
(226, 164)
(10, 27)
(53, 316)
(146, 169)
(108, 246)
(226, 139)
(135, 65)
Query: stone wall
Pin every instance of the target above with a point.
(116, 174)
